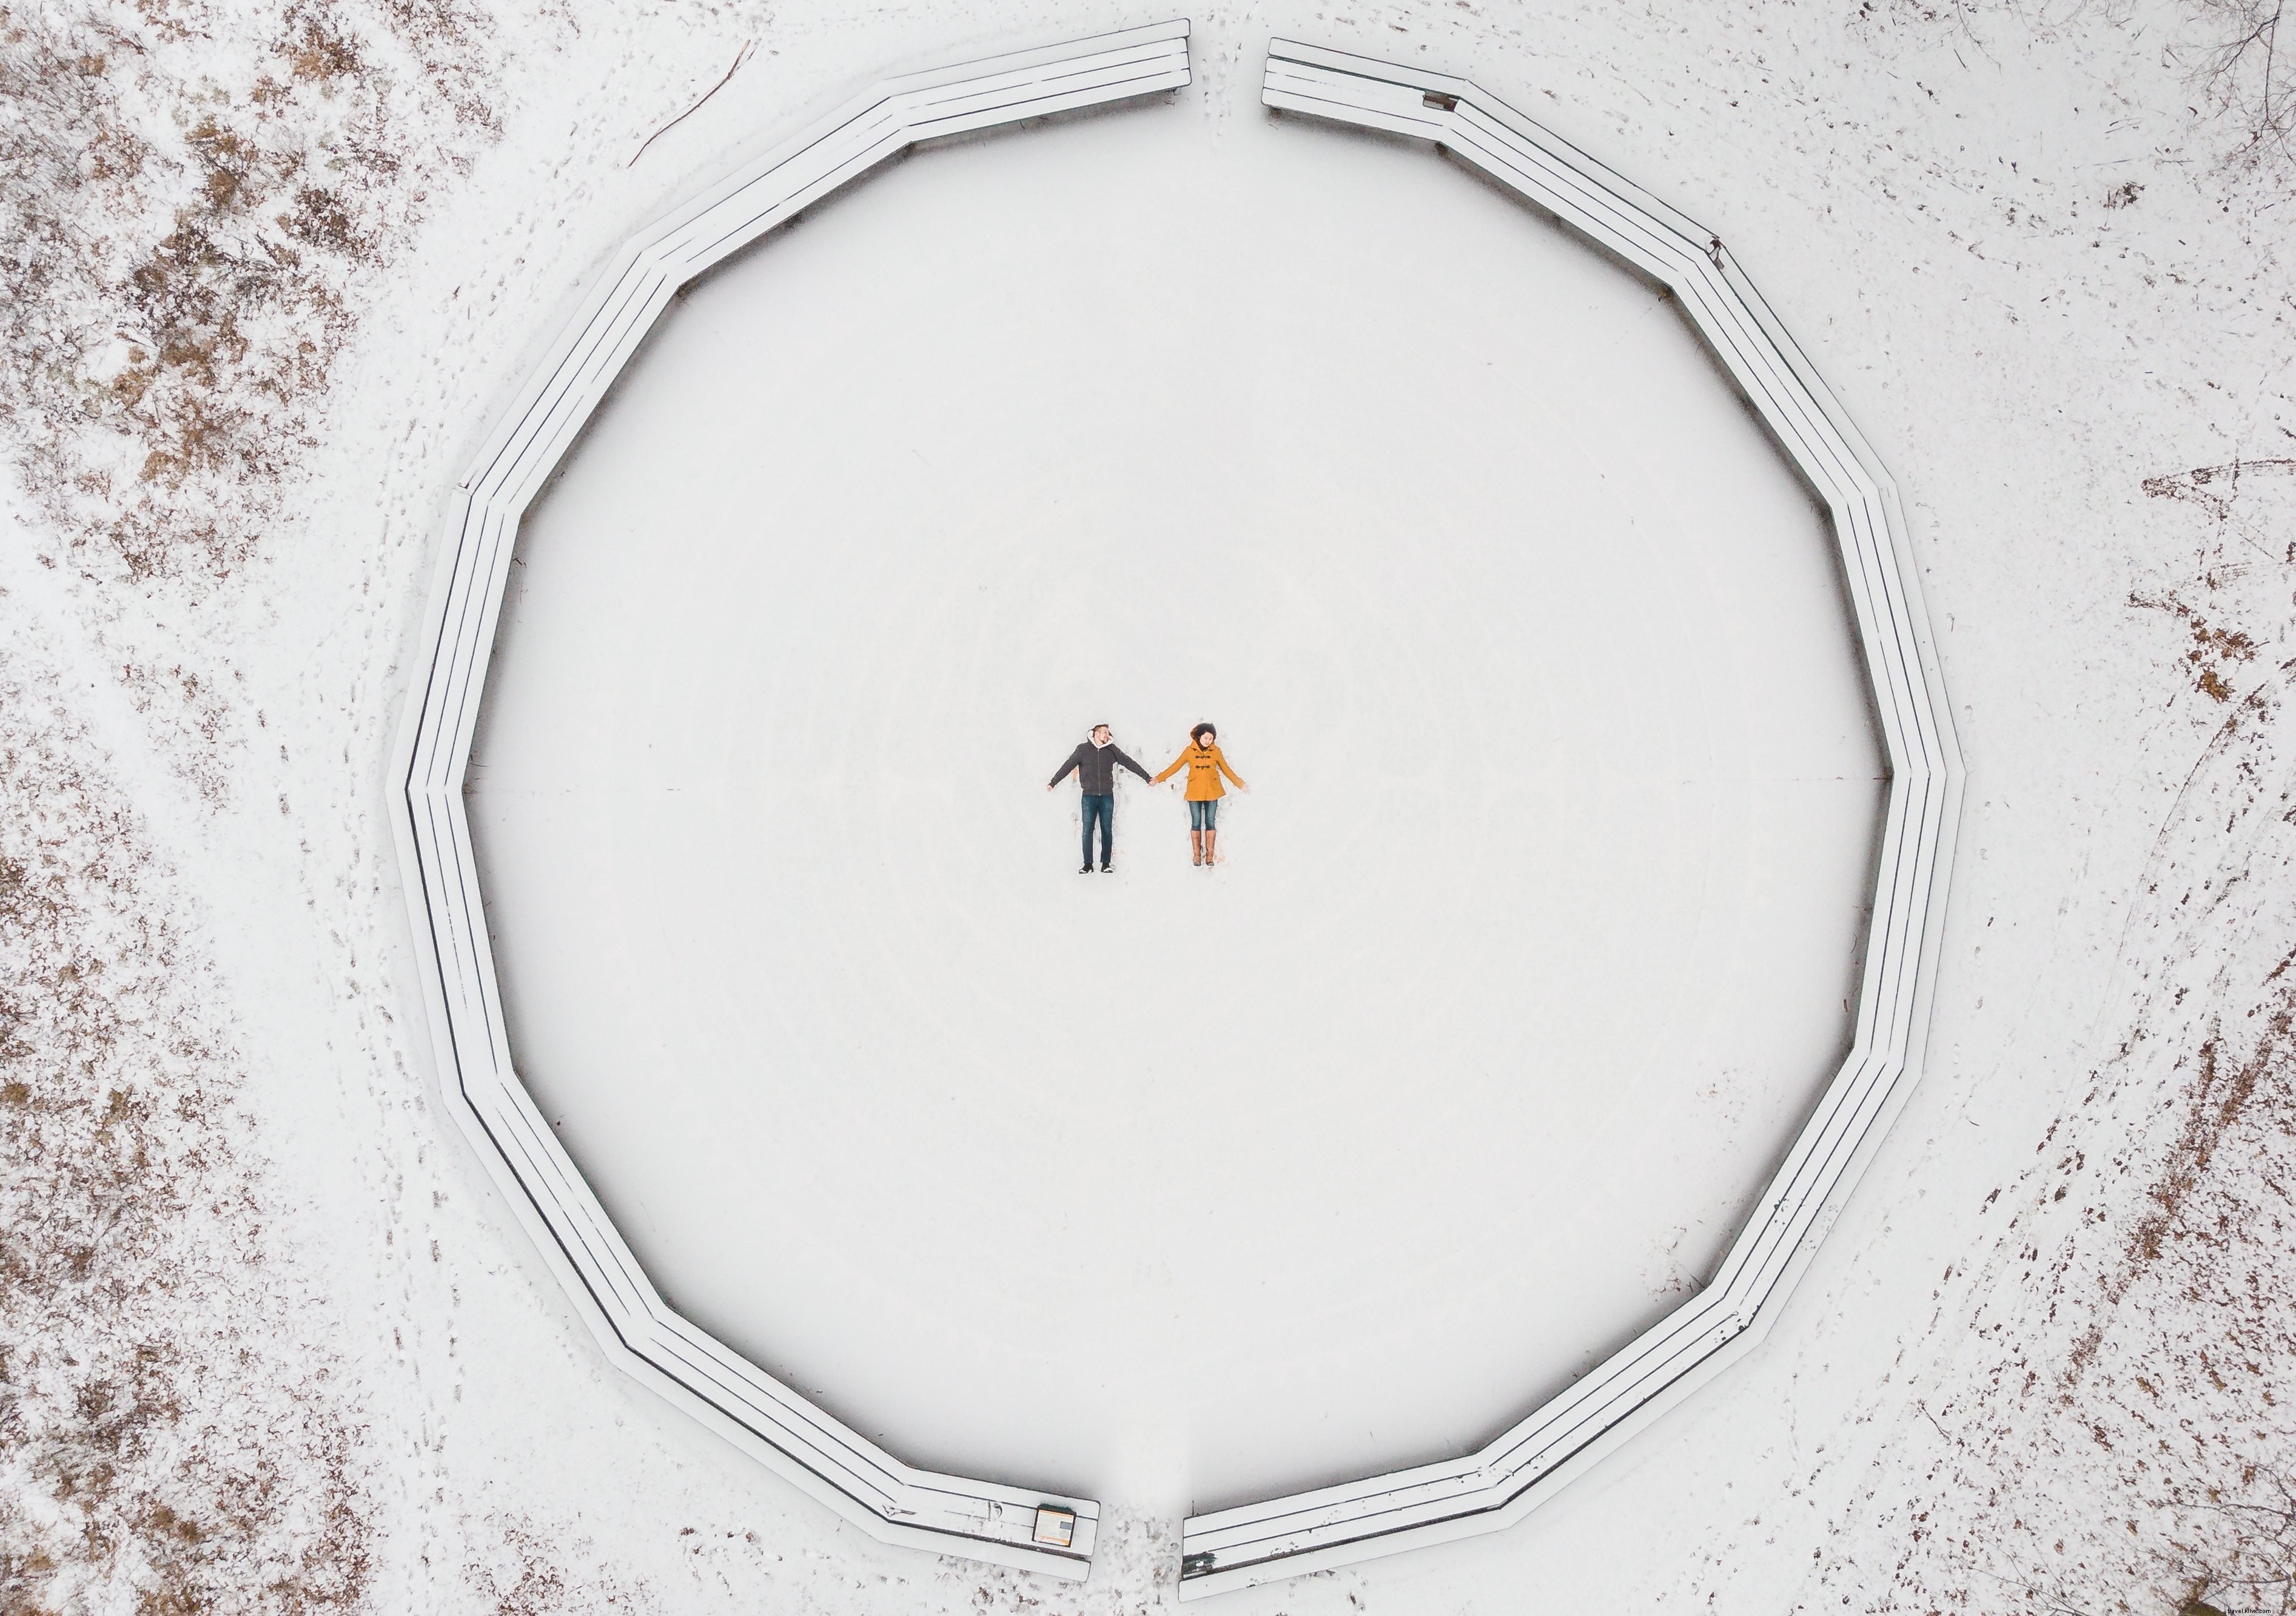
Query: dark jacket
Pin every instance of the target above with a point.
(1096, 767)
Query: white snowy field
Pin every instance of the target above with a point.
(1535, 936)
(268, 1338)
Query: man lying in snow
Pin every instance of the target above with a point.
(1094, 762)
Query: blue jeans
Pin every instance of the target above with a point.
(1103, 808)
(1204, 816)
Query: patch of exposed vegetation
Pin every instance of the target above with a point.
(2107, 1399)
(181, 243)
(2214, 650)
(191, 197)
(165, 1443)
(2248, 562)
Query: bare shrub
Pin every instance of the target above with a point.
(2243, 72)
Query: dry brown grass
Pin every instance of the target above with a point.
(2213, 1103)
(2098, 1413)
(162, 1435)
(192, 199)
(2216, 651)
(218, 250)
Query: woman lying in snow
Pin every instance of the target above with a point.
(1205, 763)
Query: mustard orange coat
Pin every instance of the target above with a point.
(1205, 765)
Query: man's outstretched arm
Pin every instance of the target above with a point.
(1134, 767)
(1076, 762)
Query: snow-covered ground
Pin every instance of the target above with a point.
(271, 1343)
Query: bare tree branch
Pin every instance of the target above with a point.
(740, 57)
(2244, 76)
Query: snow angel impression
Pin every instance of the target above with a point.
(1205, 763)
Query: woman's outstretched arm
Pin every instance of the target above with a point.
(1221, 758)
